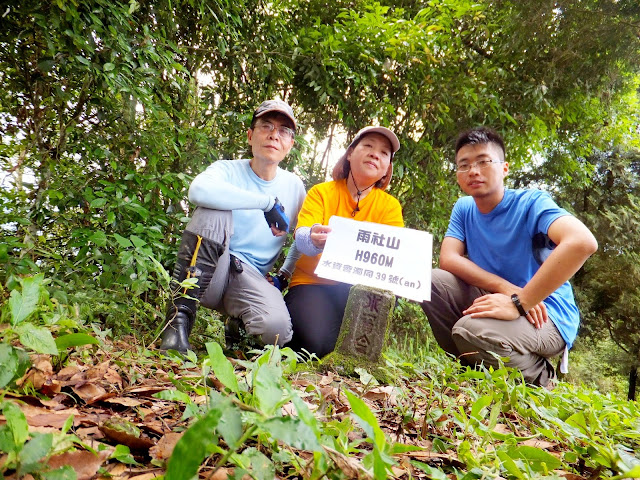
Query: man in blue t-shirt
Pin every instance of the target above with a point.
(237, 233)
(502, 287)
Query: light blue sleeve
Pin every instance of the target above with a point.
(252, 240)
(290, 262)
(211, 189)
(304, 243)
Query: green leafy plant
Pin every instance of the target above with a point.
(30, 315)
(27, 452)
(247, 410)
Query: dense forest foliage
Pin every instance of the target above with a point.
(109, 108)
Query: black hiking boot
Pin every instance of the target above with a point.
(197, 257)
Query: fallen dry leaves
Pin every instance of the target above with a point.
(102, 387)
(85, 463)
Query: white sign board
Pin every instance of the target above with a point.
(381, 256)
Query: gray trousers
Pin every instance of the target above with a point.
(471, 339)
(246, 295)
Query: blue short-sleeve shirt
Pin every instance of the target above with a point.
(512, 241)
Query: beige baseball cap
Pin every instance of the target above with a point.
(275, 106)
(393, 139)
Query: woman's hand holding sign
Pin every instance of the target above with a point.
(319, 235)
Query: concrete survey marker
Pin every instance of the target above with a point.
(365, 325)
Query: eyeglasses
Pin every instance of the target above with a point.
(283, 131)
(480, 164)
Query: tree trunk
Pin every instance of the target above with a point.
(633, 378)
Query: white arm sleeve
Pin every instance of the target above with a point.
(209, 191)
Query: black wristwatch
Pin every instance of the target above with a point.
(516, 301)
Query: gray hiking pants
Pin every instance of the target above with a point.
(246, 295)
(470, 339)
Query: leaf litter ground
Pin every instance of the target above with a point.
(109, 391)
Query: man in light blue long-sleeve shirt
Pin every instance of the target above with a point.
(237, 233)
